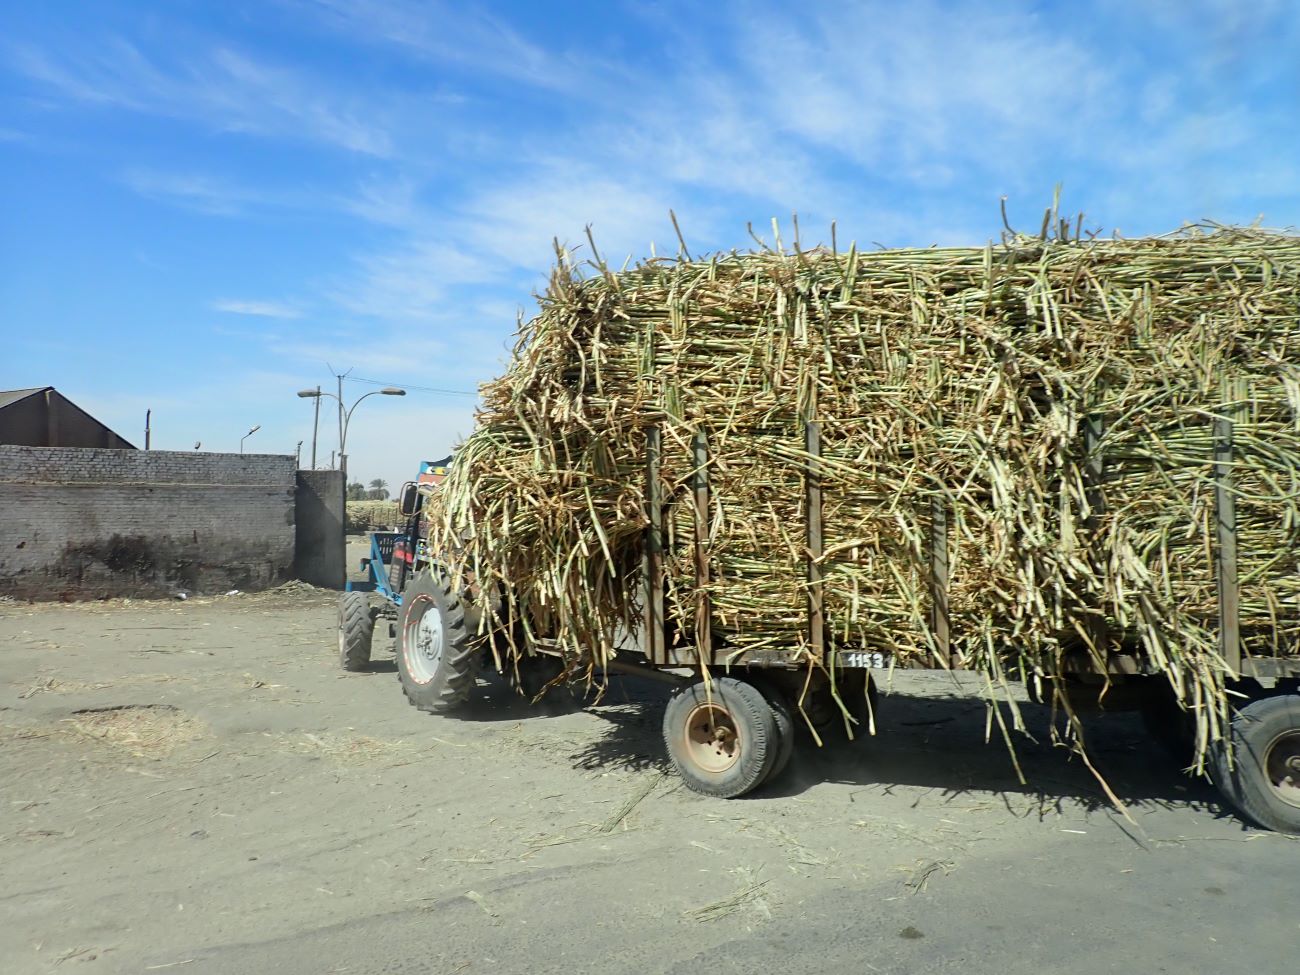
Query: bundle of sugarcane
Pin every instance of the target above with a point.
(1055, 400)
(368, 516)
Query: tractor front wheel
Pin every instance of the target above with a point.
(356, 628)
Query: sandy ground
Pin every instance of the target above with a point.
(196, 787)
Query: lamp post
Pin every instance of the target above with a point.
(315, 425)
(345, 417)
(247, 435)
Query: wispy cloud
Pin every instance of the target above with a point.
(836, 108)
(514, 224)
(903, 85)
(392, 202)
(220, 88)
(499, 240)
(412, 280)
(449, 33)
(257, 309)
(195, 191)
(405, 357)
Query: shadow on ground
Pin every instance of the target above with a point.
(497, 699)
(936, 743)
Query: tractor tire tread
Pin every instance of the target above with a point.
(356, 630)
(458, 668)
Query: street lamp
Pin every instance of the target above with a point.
(315, 423)
(345, 417)
(247, 435)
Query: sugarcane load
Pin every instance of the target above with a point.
(1069, 462)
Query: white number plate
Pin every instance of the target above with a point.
(865, 658)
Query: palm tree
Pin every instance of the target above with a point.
(379, 489)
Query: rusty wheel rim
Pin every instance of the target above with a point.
(713, 741)
(1282, 766)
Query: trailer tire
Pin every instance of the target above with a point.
(1262, 779)
(437, 657)
(783, 712)
(721, 736)
(356, 630)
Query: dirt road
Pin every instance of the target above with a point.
(195, 787)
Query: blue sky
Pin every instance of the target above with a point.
(204, 204)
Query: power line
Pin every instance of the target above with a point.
(423, 389)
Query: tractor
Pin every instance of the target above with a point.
(395, 558)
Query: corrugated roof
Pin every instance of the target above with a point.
(9, 396)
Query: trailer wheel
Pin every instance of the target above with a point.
(356, 628)
(437, 660)
(783, 712)
(722, 737)
(1263, 778)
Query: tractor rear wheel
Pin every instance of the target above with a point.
(356, 628)
(437, 657)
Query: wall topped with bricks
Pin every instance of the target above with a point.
(79, 523)
(70, 465)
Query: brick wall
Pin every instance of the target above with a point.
(90, 522)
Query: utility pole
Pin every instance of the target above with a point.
(345, 416)
(343, 458)
(147, 431)
(315, 425)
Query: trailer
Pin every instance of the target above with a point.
(784, 473)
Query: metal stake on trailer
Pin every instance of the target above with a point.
(939, 581)
(816, 542)
(1225, 511)
(700, 479)
(1094, 428)
(653, 562)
